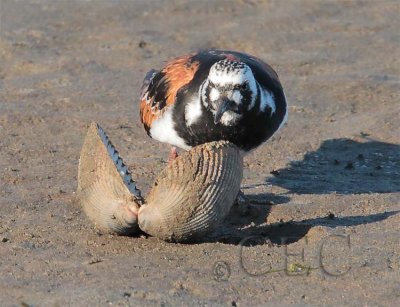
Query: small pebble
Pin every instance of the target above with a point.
(349, 165)
(275, 173)
(142, 44)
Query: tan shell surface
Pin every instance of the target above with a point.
(194, 193)
(190, 197)
(103, 190)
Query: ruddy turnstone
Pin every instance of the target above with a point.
(213, 95)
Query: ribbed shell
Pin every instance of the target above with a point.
(188, 199)
(194, 193)
(105, 189)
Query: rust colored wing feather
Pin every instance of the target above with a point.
(179, 72)
(160, 88)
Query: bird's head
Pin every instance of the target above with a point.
(229, 90)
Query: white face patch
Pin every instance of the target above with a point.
(214, 94)
(192, 111)
(267, 99)
(236, 97)
(203, 93)
(253, 87)
(163, 130)
(230, 118)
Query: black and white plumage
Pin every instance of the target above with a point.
(213, 95)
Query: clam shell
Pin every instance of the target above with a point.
(194, 193)
(190, 197)
(105, 188)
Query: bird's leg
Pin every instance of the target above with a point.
(240, 198)
(173, 154)
(241, 204)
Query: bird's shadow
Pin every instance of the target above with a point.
(240, 228)
(341, 166)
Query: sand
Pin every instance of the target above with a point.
(320, 223)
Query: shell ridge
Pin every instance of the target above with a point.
(168, 200)
(108, 212)
(216, 189)
(207, 164)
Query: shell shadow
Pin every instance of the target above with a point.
(252, 229)
(343, 166)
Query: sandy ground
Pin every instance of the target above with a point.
(321, 221)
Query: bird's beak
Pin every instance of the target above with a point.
(222, 106)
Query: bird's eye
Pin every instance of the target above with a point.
(242, 86)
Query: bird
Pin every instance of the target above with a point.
(213, 95)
